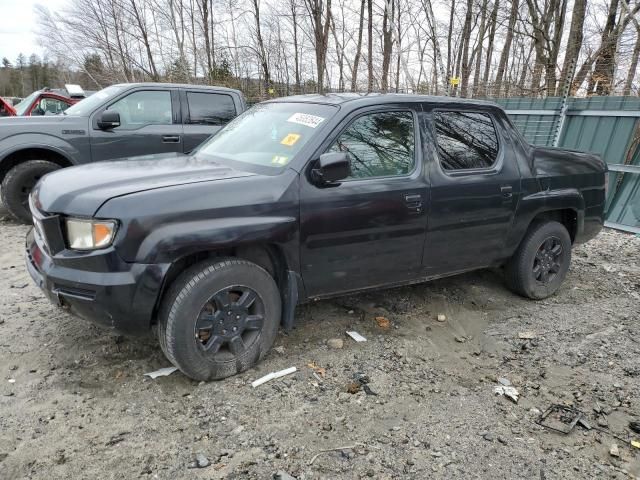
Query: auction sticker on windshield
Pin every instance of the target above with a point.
(291, 139)
(305, 119)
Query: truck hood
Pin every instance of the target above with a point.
(35, 122)
(82, 190)
(56, 125)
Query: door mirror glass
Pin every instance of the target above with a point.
(109, 119)
(332, 167)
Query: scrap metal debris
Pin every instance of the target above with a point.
(356, 336)
(510, 392)
(116, 439)
(614, 451)
(560, 418)
(272, 375)
(162, 372)
(350, 447)
(527, 335)
(363, 380)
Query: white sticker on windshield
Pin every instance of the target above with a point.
(305, 119)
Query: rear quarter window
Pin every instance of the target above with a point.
(465, 140)
(210, 108)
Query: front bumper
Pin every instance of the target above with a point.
(109, 292)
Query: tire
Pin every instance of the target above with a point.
(199, 334)
(541, 262)
(19, 182)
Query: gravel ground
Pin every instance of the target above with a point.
(74, 402)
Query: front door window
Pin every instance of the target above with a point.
(379, 144)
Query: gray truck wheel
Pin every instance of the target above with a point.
(540, 264)
(19, 182)
(219, 318)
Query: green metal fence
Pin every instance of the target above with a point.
(608, 126)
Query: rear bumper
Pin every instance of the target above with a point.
(122, 300)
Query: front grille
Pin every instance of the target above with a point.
(48, 228)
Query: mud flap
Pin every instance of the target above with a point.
(289, 300)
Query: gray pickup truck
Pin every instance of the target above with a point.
(120, 121)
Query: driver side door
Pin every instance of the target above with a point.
(370, 229)
(149, 124)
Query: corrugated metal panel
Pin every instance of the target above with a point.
(625, 206)
(537, 129)
(624, 201)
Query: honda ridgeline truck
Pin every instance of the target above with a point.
(304, 198)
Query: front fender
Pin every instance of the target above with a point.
(24, 141)
(545, 201)
(176, 240)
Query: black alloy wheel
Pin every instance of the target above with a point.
(548, 260)
(230, 321)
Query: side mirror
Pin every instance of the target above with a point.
(109, 119)
(331, 168)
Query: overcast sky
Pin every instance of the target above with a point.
(18, 24)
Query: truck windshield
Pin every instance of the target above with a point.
(23, 106)
(269, 134)
(86, 106)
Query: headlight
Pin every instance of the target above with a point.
(89, 234)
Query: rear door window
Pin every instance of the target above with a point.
(210, 108)
(466, 140)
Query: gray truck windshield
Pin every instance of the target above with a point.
(87, 105)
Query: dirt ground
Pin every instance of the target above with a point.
(74, 402)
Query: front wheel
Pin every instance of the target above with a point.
(19, 182)
(540, 265)
(219, 318)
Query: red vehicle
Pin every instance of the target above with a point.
(43, 102)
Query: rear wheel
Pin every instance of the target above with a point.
(540, 264)
(219, 318)
(19, 182)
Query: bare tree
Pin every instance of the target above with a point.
(466, 40)
(493, 22)
(478, 52)
(504, 56)
(262, 54)
(387, 43)
(574, 43)
(320, 16)
(370, 42)
(547, 21)
(634, 61)
(293, 6)
(356, 60)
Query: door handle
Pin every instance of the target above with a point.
(413, 198)
(413, 202)
(507, 192)
(171, 139)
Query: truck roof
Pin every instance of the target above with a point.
(178, 85)
(380, 98)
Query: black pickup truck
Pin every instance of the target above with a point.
(303, 198)
(120, 121)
